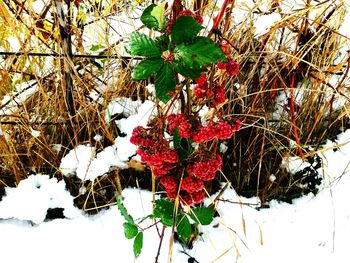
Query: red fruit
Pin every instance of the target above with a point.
(170, 157)
(171, 193)
(161, 170)
(186, 199)
(237, 125)
(174, 120)
(198, 197)
(169, 183)
(191, 185)
(202, 79)
(219, 94)
(221, 65)
(205, 134)
(223, 130)
(232, 68)
(185, 130)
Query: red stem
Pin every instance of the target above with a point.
(219, 17)
(292, 111)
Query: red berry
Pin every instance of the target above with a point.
(185, 130)
(198, 197)
(169, 182)
(186, 199)
(205, 134)
(223, 130)
(202, 79)
(191, 185)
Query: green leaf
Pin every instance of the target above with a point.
(189, 72)
(165, 82)
(158, 13)
(177, 138)
(147, 68)
(184, 29)
(130, 230)
(202, 215)
(163, 42)
(123, 211)
(183, 228)
(148, 19)
(164, 209)
(138, 243)
(142, 45)
(201, 52)
(97, 47)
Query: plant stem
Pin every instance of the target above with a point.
(292, 112)
(160, 244)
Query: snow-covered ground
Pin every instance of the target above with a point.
(312, 229)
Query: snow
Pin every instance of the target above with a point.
(311, 229)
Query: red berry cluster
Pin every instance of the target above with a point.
(206, 169)
(231, 68)
(221, 130)
(154, 150)
(215, 94)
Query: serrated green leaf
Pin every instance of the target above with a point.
(163, 42)
(164, 209)
(189, 72)
(202, 215)
(123, 211)
(183, 228)
(165, 82)
(147, 68)
(142, 45)
(148, 19)
(177, 138)
(130, 230)
(184, 29)
(202, 51)
(138, 243)
(158, 13)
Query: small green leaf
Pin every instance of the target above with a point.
(177, 138)
(184, 29)
(148, 19)
(201, 52)
(130, 230)
(164, 209)
(97, 47)
(183, 228)
(202, 215)
(158, 13)
(165, 82)
(142, 45)
(138, 243)
(147, 68)
(123, 211)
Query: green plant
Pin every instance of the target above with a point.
(165, 212)
(182, 64)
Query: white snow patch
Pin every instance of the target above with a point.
(34, 196)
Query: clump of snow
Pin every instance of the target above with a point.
(34, 196)
(264, 22)
(34, 133)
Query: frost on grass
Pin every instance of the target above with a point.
(34, 196)
(87, 164)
